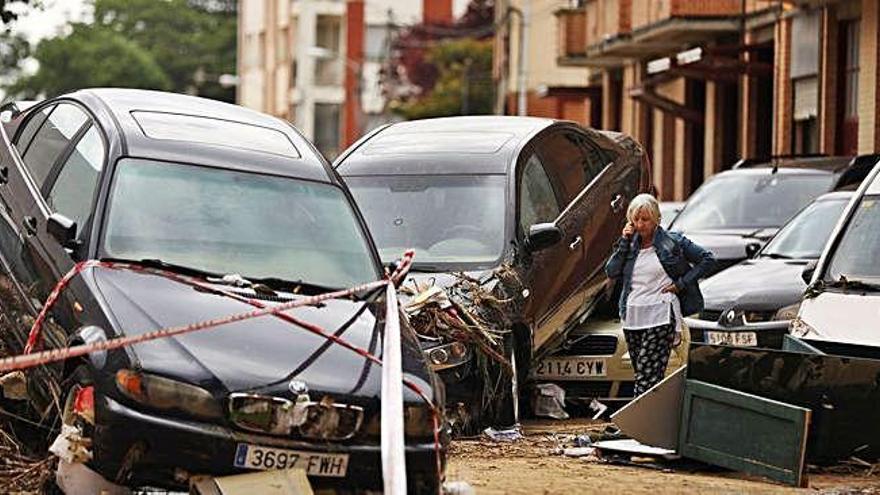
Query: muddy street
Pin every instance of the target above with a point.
(536, 465)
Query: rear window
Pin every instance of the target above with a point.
(177, 127)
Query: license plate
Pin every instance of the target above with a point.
(570, 367)
(314, 463)
(742, 339)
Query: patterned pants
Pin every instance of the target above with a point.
(649, 351)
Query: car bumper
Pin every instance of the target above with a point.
(617, 383)
(172, 450)
(768, 334)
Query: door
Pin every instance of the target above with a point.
(18, 195)
(49, 148)
(557, 271)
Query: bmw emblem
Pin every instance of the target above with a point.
(298, 387)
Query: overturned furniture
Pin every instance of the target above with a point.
(762, 411)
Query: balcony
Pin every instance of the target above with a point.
(572, 32)
(685, 21)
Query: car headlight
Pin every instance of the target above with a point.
(446, 356)
(788, 312)
(418, 422)
(164, 393)
(800, 328)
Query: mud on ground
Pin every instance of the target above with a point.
(533, 466)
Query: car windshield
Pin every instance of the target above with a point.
(223, 221)
(855, 258)
(805, 235)
(749, 200)
(447, 219)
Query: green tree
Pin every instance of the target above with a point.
(464, 85)
(194, 41)
(90, 57)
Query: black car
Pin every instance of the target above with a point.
(499, 209)
(737, 211)
(162, 186)
(752, 303)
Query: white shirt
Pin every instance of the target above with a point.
(647, 306)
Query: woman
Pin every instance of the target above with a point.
(659, 271)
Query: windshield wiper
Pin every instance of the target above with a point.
(164, 265)
(852, 284)
(422, 267)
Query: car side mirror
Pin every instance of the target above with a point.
(543, 235)
(63, 230)
(809, 270)
(752, 249)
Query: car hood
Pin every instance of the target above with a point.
(843, 317)
(759, 284)
(730, 244)
(253, 353)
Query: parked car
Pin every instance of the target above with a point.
(841, 304)
(542, 198)
(736, 212)
(177, 184)
(753, 302)
(600, 343)
(668, 211)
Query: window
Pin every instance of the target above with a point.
(51, 140)
(537, 201)
(851, 70)
(327, 129)
(73, 190)
(571, 159)
(27, 133)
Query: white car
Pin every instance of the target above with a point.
(842, 302)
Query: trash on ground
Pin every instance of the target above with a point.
(583, 441)
(549, 401)
(509, 435)
(14, 385)
(273, 482)
(458, 488)
(78, 479)
(598, 408)
(633, 447)
(579, 451)
(70, 445)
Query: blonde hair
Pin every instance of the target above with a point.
(644, 202)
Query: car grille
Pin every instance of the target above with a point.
(586, 389)
(592, 345)
(324, 420)
(710, 315)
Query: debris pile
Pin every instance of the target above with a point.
(477, 312)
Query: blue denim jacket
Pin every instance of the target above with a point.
(684, 262)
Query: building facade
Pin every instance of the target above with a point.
(317, 63)
(704, 83)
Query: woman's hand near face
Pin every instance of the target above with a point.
(628, 230)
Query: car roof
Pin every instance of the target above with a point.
(828, 163)
(122, 104)
(874, 186)
(448, 145)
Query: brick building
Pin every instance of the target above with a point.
(703, 83)
(316, 63)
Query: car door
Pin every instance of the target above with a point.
(602, 210)
(49, 148)
(554, 272)
(18, 195)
